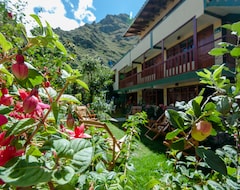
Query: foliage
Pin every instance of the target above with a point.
(38, 149)
(97, 75)
(198, 164)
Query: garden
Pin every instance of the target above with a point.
(45, 144)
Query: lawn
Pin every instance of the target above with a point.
(147, 158)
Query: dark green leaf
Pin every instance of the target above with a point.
(213, 160)
(178, 144)
(4, 109)
(65, 187)
(21, 126)
(63, 175)
(175, 118)
(196, 108)
(25, 172)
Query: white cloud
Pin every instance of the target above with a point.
(53, 11)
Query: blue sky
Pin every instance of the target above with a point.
(70, 14)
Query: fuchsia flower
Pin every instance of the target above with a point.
(19, 111)
(6, 99)
(3, 120)
(77, 133)
(7, 151)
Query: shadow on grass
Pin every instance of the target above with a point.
(156, 145)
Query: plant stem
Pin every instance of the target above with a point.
(46, 115)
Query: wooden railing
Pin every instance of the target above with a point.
(175, 65)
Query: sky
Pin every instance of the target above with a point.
(70, 14)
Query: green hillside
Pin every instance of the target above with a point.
(103, 40)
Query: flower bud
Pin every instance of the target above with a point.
(20, 70)
(70, 120)
(30, 104)
(20, 58)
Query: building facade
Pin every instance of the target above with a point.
(175, 37)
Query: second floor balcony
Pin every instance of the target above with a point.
(187, 61)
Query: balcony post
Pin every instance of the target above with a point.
(195, 43)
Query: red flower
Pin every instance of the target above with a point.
(77, 133)
(6, 100)
(8, 153)
(5, 141)
(3, 120)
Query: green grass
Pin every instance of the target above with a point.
(148, 157)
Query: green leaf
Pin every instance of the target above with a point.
(65, 187)
(4, 43)
(63, 175)
(34, 78)
(6, 75)
(49, 31)
(235, 52)
(61, 47)
(55, 110)
(82, 84)
(172, 134)
(236, 28)
(175, 118)
(34, 151)
(83, 152)
(178, 144)
(215, 185)
(212, 159)
(4, 109)
(69, 98)
(61, 146)
(37, 19)
(217, 73)
(218, 51)
(21, 126)
(227, 26)
(24, 172)
(196, 108)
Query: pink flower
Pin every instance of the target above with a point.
(3, 120)
(18, 111)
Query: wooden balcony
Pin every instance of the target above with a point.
(175, 65)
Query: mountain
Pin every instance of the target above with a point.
(103, 40)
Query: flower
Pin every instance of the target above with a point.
(77, 133)
(18, 111)
(3, 120)
(5, 141)
(8, 153)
